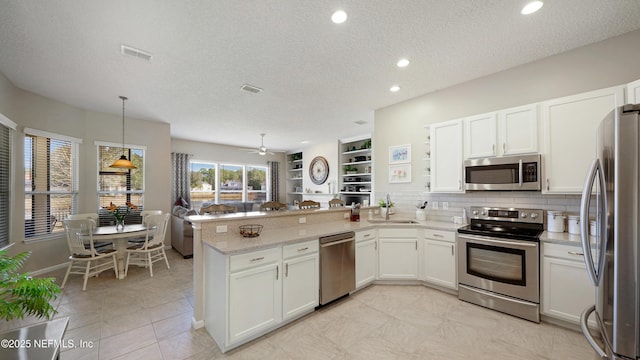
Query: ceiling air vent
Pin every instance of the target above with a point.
(137, 53)
(250, 88)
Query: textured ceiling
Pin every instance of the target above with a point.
(318, 77)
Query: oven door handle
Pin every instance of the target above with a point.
(479, 239)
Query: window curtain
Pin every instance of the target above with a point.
(180, 179)
(274, 180)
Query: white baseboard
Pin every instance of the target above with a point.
(197, 324)
(49, 269)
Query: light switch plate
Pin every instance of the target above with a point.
(302, 220)
(434, 205)
(221, 228)
(445, 205)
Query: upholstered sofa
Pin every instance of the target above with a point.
(181, 231)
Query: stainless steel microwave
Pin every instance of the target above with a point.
(503, 173)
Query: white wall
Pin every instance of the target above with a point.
(33, 111)
(604, 64)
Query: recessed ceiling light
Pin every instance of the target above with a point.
(304, 142)
(403, 63)
(531, 7)
(339, 17)
(394, 88)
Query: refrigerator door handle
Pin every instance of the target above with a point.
(595, 170)
(584, 317)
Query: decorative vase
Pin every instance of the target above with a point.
(120, 225)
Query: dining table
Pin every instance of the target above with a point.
(119, 237)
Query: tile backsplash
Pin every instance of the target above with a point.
(406, 201)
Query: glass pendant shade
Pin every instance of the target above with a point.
(123, 162)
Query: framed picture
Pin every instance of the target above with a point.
(400, 173)
(400, 154)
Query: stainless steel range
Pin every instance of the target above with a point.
(499, 260)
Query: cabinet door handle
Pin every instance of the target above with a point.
(459, 185)
(257, 259)
(375, 246)
(575, 253)
(436, 235)
(286, 270)
(303, 249)
(504, 148)
(493, 149)
(451, 250)
(366, 235)
(547, 184)
(277, 271)
(416, 244)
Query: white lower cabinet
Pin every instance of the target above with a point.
(439, 259)
(566, 288)
(250, 294)
(254, 300)
(366, 258)
(398, 254)
(300, 280)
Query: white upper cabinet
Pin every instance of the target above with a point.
(569, 127)
(633, 92)
(506, 132)
(480, 135)
(446, 157)
(518, 130)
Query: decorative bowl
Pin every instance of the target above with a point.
(250, 230)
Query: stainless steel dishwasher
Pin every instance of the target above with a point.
(337, 266)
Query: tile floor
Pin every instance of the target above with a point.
(150, 318)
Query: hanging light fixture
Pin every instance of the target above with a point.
(123, 162)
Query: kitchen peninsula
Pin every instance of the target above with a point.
(224, 261)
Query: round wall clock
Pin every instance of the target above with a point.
(319, 170)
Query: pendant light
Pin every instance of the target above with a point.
(123, 162)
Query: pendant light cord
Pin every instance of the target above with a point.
(124, 98)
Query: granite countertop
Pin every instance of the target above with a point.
(232, 243)
(562, 238)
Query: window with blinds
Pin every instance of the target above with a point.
(50, 182)
(120, 185)
(5, 177)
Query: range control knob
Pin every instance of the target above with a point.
(534, 215)
(523, 215)
(483, 213)
(475, 212)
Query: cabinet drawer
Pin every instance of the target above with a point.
(252, 259)
(365, 235)
(440, 235)
(398, 233)
(569, 252)
(298, 249)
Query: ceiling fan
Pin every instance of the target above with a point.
(262, 150)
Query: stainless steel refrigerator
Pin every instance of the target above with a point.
(612, 195)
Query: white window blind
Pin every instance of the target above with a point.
(5, 181)
(50, 181)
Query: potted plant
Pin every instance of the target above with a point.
(21, 294)
(383, 207)
(350, 169)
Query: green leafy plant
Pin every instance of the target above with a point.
(21, 294)
(350, 168)
(383, 203)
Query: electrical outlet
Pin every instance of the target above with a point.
(445, 205)
(346, 215)
(302, 220)
(221, 228)
(434, 205)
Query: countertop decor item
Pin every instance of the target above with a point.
(250, 230)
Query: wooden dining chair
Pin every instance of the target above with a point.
(94, 217)
(144, 214)
(218, 209)
(272, 205)
(152, 249)
(87, 262)
(309, 204)
(336, 203)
